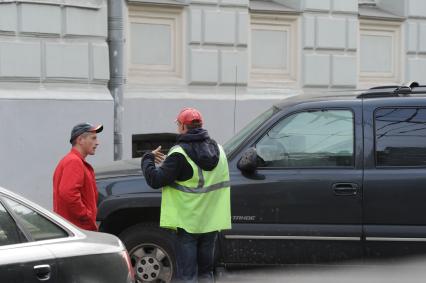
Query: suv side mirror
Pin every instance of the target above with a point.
(248, 161)
(248, 164)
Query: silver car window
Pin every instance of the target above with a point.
(35, 224)
(9, 233)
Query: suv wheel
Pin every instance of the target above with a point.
(151, 251)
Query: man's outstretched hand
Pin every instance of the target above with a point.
(159, 157)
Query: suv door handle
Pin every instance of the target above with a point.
(345, 189)
(42, 272)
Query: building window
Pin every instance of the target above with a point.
(155, 44)
(273, 49)
(380, 50)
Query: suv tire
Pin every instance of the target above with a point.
(151, 251)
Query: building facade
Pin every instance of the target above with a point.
(234, 58)
(132, 65)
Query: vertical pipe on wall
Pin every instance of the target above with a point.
(116, 40)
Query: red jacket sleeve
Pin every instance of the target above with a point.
(70, 190)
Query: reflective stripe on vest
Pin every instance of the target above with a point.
(199, 189)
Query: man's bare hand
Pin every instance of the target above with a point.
(159, 157)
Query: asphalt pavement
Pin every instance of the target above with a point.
(407, 271)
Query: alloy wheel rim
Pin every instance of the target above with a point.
(151, 263)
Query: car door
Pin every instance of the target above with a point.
(21, 260)
(395, 177)
(304, 204)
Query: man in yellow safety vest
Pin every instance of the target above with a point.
(196, 194)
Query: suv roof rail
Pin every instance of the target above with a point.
(384, 86)
(390, 90)
(413, 84)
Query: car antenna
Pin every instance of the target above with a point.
(235, 95)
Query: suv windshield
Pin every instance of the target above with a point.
(236, 140)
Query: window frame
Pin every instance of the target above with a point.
(375, 140)
(18, 227)
(352, 166)
(157, 74)
(382, 28)
(246, 139)
(275, 22)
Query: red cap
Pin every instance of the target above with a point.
(188, 116)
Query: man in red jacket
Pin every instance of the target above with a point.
(75, 194)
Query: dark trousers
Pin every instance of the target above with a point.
(195, 256)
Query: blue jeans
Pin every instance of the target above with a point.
(195, 256)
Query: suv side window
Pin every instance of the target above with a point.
(317, 138)
(400, 136)
(9, 232)
(38, 226)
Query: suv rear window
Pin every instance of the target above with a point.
(400, 136)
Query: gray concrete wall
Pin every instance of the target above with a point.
(217, 38)
(54, 71)
(415, 40)
(330, 39)
(35, 136)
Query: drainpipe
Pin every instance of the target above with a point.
(116, 62)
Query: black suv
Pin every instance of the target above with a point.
(314, 180)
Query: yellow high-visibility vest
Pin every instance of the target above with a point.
(200, 204)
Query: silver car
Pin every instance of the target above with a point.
(39, 246)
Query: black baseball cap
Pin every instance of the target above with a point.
(82, 128)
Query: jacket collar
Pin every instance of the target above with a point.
(194, 135)
(77, 153)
